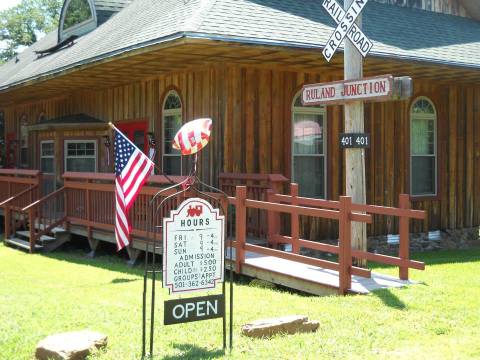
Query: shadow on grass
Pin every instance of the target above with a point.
(390, 299)
(103, 261)
(439, 257)
(194, 352)
(122, 281)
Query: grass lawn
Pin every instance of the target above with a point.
(436, 319)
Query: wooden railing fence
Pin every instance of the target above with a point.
(257, 186)
(15, 181)
(18, 188)
(90, 201)
(342, 211)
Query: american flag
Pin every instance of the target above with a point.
(132, 169)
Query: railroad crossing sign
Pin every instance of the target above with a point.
(346, 28)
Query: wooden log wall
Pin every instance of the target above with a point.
(451, 7)
(258, 140)
(251, 108)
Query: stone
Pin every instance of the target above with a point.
(70, 345)
(284, 325)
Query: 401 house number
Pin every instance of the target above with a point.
(354, 141)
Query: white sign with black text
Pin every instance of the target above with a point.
(193, 247)
(346, 28)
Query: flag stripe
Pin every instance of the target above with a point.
(136, 187)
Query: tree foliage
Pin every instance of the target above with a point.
(22, 24)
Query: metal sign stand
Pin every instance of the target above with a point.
(191, 185)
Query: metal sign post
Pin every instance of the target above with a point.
(193, 236)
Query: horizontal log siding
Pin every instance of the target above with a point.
(251, 108)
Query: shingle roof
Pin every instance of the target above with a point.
(396, 32)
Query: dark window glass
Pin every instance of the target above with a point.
(423, 181)
(78, 11)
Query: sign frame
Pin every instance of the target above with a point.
(169, 312)
(220, 252)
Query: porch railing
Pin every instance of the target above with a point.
(90, 201)
(343, 212)
(15, 181)
(257, 186)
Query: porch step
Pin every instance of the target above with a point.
(43, 238)
(22, 243)
(53, 231)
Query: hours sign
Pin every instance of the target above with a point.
(193, 243)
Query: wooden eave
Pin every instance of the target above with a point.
(184, 54)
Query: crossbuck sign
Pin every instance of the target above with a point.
(346, 28)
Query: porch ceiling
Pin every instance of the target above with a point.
(187, 54)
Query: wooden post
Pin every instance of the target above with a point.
(32, 229)
(345, 245)
(7, 220)
(273, 222)
(295, 219)
(241, 226)
(355, 158)
(404, 248)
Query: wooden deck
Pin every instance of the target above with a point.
(311, 279)
(83, 206)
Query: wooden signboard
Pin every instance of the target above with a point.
(377, 88)
(193, 243)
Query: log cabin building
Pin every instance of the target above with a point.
(148, 66)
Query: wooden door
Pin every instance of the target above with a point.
(137, 133)
(11, 151)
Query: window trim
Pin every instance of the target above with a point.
(47, 157)
(433, 117)
(170, 112)
(315, 111)
(88, 24)
(77, 141)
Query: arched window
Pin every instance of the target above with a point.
(423, 148)
(78, 11)
(308, 148)
(171, 123)
(78, 17)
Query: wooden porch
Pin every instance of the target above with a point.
(262, 220)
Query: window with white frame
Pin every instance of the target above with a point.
(171, 123)
(81, 155)
(423, 148)
(308, 148)
(47, 157)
